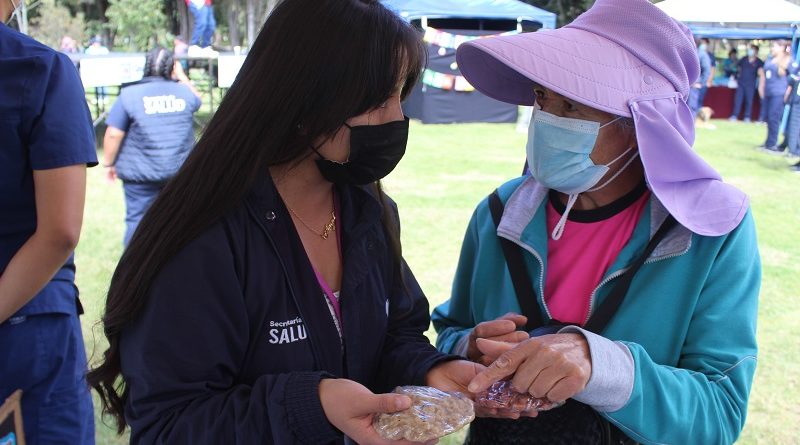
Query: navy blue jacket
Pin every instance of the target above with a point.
(236, 333)
(156, 115)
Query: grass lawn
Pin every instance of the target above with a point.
(449, 168)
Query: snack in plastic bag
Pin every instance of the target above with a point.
(502, 396)
(433, 414)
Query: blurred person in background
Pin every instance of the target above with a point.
(96, 48)
(46, 143)
(750, 69)
(698, 91)
(204, 26)
(772, 88)
(730, 67)
(792, 132)
(150, 132)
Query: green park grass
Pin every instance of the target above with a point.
(449, 168)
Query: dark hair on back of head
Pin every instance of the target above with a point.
(159, 62)
(315, 64)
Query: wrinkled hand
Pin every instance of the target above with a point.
(454, 376)
(350, 407)
(503, 329)
(555, 366)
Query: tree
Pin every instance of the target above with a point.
(53, 21)
(140, 23)
(566, 10)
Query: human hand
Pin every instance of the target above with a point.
(178, 73)
(350, 407)
(555, 366)
(502, 329)
(111, 174)
(453, 376)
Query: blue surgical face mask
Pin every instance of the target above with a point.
(751, 52)
(702, 47)
(558, 152)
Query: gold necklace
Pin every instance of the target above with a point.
(329, 227)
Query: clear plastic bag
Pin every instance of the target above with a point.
(433, 414)
(502, 396)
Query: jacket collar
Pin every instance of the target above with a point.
(530, 198)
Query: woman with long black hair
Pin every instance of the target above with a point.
(263, 297)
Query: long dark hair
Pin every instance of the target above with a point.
(315, 64)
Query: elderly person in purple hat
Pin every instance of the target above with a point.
(622, 274)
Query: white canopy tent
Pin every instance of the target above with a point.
(744, 19)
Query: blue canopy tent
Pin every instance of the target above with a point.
(735, 19)
(443, 95)
(472, 9)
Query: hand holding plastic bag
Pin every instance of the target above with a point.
(433, 414)
(502, 396)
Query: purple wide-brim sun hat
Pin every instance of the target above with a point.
(628, 58)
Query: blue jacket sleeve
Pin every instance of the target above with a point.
(703, 400)
(181, 360)
(453, 319)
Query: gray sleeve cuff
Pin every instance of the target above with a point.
(462, 344)
(610, 386)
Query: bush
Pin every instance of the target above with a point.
(139, 23)
(55, 21)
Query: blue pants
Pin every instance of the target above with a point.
(43, 355)
(695, 102)
(774, 113)
(744, 95)
(139, 196)
(792, 131)
(204, 25)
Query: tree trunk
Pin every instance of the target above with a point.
(184, 29)
(251, 22)
(233, 23)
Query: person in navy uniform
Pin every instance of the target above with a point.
(698, 90)
(150, 133)
(264, 297)
(792, 131)
(46, 143)
(750, 69)
(772, 88)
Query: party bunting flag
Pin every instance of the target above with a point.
(453, 41)
(445, 81)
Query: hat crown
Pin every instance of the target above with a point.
(664, 44)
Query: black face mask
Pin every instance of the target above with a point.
(375, 151)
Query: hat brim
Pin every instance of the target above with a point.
(578, 64)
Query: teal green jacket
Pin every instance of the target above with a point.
(675, 365)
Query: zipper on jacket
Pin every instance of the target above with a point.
(541, 272)
(618, 274)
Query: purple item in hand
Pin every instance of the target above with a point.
(502, 396)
